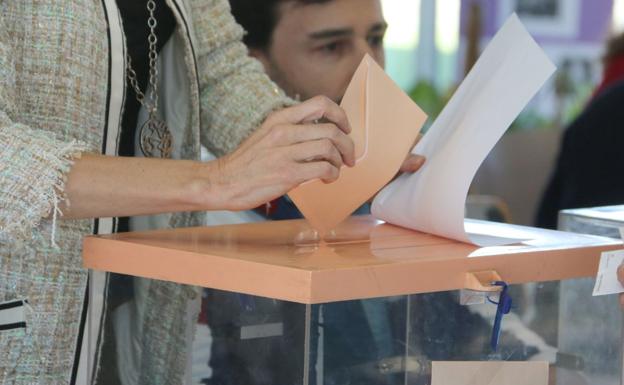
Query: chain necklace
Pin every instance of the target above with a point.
(155, 139)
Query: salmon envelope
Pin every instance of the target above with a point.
(385, 124)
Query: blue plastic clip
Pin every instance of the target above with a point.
(503, 306)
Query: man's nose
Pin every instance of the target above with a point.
(363, 47)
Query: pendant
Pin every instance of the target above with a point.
(155, 139)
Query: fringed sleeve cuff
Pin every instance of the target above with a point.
(33, 170)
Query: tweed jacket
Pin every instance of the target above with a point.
(62, 83)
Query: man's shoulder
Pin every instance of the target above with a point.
(611, 96)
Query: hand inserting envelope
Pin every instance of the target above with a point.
(507, 75)
(385, 123)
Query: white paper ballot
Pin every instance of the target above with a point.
(507, 75)
(606, 279)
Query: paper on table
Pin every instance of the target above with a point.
(606, 280)
(385, 123)
(507, 75)
(489, 373)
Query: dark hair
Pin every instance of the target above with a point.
(615, 48)
(259, 18)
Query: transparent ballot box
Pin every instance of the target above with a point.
(268, 303)
(605, 221)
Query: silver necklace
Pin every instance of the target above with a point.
(155, 139)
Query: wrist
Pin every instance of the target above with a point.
(206, 190)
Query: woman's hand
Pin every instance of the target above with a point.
(412, 163)
(287, 150)
(620, 274)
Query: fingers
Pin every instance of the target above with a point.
(289, 135)
(315, 109)
(412, 163)
(322, 170)
(620, 275)
(418, 138)
(322, 149)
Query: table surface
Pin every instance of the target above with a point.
(362, 258)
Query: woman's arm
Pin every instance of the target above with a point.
(287, 150)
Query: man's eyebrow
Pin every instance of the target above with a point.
(330, 33)
(344, 32)
(378, 27)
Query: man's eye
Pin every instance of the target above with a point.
(333, 47)
(375, 41)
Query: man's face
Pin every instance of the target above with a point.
(316, 48)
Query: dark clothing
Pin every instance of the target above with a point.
(239, 360)
(134, 15)
(590, 167)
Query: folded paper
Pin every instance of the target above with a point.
(385, 123)
(607, 281)
(507, 75)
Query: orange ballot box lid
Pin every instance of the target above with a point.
(362, 258)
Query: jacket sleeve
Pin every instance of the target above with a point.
(33, 163)
(235, 93)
